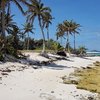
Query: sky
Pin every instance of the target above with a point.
(84, 12)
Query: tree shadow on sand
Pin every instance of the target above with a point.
(85, 58)
(55, 66)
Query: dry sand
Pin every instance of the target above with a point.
(43, 83)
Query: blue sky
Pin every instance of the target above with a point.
(84, 12)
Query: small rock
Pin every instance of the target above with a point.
(89, 67)
(35, 67)
(52, 91)
(90, 98)
(0, 78)
(61, 53)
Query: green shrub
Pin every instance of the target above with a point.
(11, 50)
(1, 57)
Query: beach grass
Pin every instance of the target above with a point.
(88, 79)
(36, 51)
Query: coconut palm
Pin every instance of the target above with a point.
(75, 30)
(3, 5)
(9, 23)
(15, 33)
(65, 29)
(68, 31)
(47, 21)
(37, 9)
(60, 31)
(28, 29)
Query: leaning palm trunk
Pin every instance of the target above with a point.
(43, 51)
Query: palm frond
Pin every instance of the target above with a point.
(19, 6)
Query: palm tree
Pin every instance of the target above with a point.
(37, 9)
(3, 5)
(9, 24)
(47, 21)
(67, 29)
(15, 33)
(28, 28)
(75, 28)
(60, 31)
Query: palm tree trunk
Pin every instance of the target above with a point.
(48, 38)
(28, 42)
(74, 42)
(3, 26)
(3, 18)
(67, 44)
(43, 51)
(24, 45)
(8, 11)
(15, 42)
(61, 41)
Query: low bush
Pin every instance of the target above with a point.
(1, 57)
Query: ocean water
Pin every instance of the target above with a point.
(93, 53)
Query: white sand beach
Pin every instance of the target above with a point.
(26, 83)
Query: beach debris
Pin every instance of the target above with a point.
(44, 55)
(48, 97)
(35, 67)
(70, 80)
(6, 70)
(0, 78)
(61, 53)
(88, 67)
(89, 97)
(4, 73)
(52, 91)
(97, 63)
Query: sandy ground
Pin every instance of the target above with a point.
(44, 83)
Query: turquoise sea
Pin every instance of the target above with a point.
(93, 53)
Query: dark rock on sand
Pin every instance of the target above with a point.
(52, 91)
(90, 98)
(61, 53)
